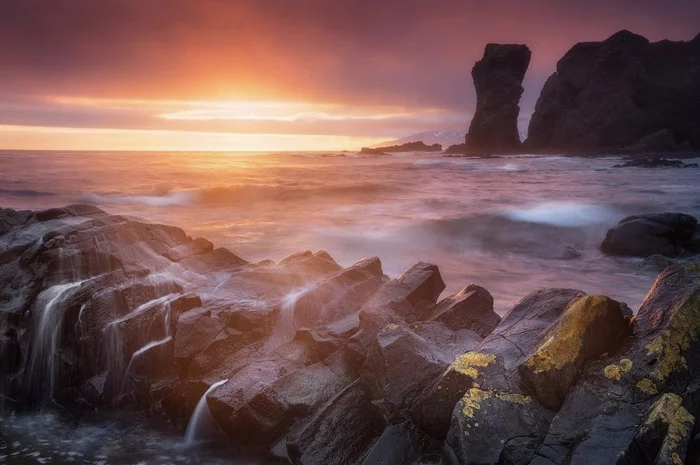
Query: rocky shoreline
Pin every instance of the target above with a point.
(306, 362)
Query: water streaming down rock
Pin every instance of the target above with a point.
(113, 342)
(201, 420)
(40, 369)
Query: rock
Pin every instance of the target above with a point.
(627, 410)
(403, 444)
(569, 253)
(655, 163)
(590, 327)
(644, 235)
(661, 141)
(407, 147)
(515, 336)
(457, 149)
(404, 362)
(657, 263)
(371, 151)
(194, 247)
(607, 96)
(498, 78)
(424, 283)
(471, 308)
(341, 432)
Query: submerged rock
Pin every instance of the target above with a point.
(498, 78)
(655, 163)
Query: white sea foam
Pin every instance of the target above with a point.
(564, 214)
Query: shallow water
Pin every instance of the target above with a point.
(503, 223)
(38, 438)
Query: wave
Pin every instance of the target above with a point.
(563, 214)
(24, 193)
(242, 194)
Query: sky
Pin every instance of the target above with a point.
(278, 74)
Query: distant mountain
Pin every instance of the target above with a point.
(444, 138)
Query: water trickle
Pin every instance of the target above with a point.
(201, 420)
(40, 370)
(114, 343)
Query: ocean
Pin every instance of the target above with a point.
(512, 225)
(509, 224)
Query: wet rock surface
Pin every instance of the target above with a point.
(666, 234)
(307, 362)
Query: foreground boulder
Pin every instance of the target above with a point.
(667, 234)
(616, 94)
(498, 79)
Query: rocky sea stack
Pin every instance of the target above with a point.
(307, 362)
(498, 79)
(622, 94)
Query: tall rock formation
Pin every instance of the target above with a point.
(498, 79)
(622, 93)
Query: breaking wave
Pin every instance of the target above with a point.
(563, 214)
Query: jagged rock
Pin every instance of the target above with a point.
(616, 411)
(404, 362)
(193, 247)
(608, 95)
(591, 327)
(375, 152)
(503, 350)
(341, 432)
(661, 141)
(471, 308)
(498, 78)
(643, 235)
(403, 444)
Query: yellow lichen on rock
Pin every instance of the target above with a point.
(471, 402)
(674, 341)
(615, 372)
(678, 430)
(564, 343)
(647, 386)
(468, 363)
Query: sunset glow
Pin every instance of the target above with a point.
(258, 75)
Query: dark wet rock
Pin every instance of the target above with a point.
(314, 263)
(471, 308)
(193, 247)
(424, 285)
(642, 403)
(657, 263)
(403, 444)
(404, 362)
(611, 95)
(655, 163)
(515, 336)
(590, 327)
(339, 295)
(342, 431)
(498, 78)
(407, 147)
(664, 234)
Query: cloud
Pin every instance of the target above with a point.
(413, 54)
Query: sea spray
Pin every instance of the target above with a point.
(201, 417)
